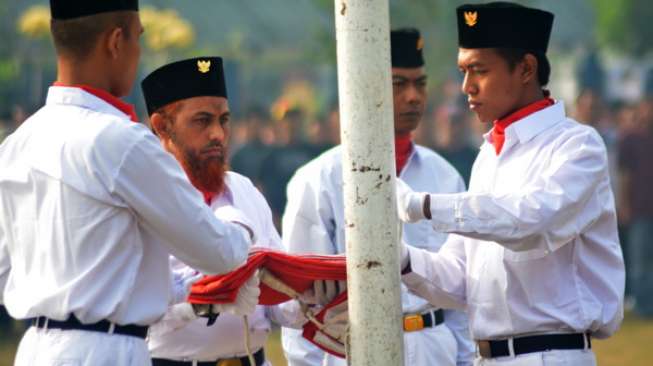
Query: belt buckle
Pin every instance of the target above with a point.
(413, 322)
(229, 362)
(484, 349)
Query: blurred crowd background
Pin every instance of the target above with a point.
(280, 62)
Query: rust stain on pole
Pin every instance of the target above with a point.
(365, 169)
(369, 264)
(343, 9)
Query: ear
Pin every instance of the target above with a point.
(159, 125)
(114, 42)
(529, 67)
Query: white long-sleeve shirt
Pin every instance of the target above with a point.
(181, 336)
(314, 222)
(91, 206)
(537, 248)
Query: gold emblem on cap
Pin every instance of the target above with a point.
(471, 17)
(204, 66)
(420, 43)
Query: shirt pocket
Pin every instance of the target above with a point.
(541, 277)
(485, 280)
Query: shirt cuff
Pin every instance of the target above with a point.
(446, 215)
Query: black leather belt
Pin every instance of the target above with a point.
(103, 326)
(530, 344)
(259, 359)
(415, 322)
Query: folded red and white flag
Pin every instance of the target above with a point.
(331, 332)
(295, 271)
(290, 275)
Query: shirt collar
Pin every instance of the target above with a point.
(91, 98)
(538, 122)
(413, 158)
(226, 196)
(532, 125)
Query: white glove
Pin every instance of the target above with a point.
(231, 214)
(410, 204)
(246, 300)
(333, 334)
(323, 292)
(182, 282)
(336, 321)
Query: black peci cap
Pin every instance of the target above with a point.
(69, 9)
(195, 77)
(406, 45)
(503, 25)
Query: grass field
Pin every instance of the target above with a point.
(629, 346)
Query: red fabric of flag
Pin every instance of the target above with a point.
(296, 271)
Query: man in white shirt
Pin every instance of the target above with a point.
(313, 221)
(92, 206)
(189, 111)
(534, 253)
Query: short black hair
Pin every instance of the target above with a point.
(77, 37)
(515, 55)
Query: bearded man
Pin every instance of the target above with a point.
(189, 111)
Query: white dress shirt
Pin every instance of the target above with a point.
(181, 336)
(91, 207)
(537, 250)
(314, 222)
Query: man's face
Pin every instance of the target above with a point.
(409, 95)
(198, 138)
(131, 54)
(493, 90)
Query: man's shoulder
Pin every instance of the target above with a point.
(323, 171)
(247, 198)
(327, 161)
(243, 187)
(428, 153)
(76, 112)
(234, 179)
(80, 131)
(435, 161)
(332, 156)
(570, 128)
(81, 122)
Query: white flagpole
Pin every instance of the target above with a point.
(367, 132)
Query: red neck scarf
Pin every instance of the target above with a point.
(500, 125)
(403, 148)
(208, 197)
(125, 108)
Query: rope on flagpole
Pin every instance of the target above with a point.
(248, 347)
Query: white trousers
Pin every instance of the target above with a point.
(55, 347)
(550, 358)
(430, 346)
